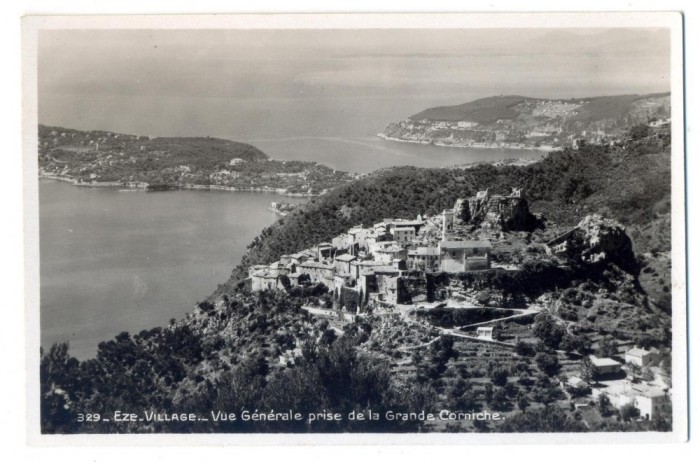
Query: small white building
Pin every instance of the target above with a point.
(485, 333)
(606, 366)
(574, 382)
(639, 356)
(459, 256)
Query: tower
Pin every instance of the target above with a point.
(447, 223)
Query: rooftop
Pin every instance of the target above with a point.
(401, 223)
(638, 352)
(315, 264)
(390, 249)
(386, 269)
(599, 362)
(424, 251)
(264, 274)
(346, 257)
(465, 245)
(367, 263)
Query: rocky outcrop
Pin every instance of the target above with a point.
(504, 212)
(600, 240)
(461, 211)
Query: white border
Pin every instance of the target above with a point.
(30, 27)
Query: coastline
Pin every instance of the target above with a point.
(546, 148)
(140, 186)
(94, 184)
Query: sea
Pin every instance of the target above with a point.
(126, 260)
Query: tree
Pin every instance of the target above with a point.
(60, 380)
(499, 376)
(639, 131)
(604, 405)
(548, 330)
(439, 353)
(548, 363)
(499, 400)
(488, 392)
(629, 412)
(575, 343)
(607, 347)
(635, 370)
(524, 349)
(588, 370)
(523, 402)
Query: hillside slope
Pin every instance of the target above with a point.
(485, 110)
(630, 183)
(522, 122)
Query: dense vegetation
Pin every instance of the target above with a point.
(493, 108)
(224, 359)
(484, 110)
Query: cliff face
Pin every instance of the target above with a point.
(507, 213)
(598, 240)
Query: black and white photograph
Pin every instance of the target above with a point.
(452, 226)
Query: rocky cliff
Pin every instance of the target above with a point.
(599, 240)
(504, 212)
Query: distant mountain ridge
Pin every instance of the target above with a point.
(492, 108)
(515, 121)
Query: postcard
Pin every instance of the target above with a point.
(355, 228)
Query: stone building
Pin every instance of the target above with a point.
(318, 272)
(424, 259)
(447, 223)
(639, 356)
(387, 252)
(343, 262)
(403, 233)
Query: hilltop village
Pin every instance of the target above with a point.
(388, 261)
(421, 275)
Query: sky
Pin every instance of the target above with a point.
(266, 83)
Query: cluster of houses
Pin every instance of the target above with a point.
(375, 262)
(650, 398)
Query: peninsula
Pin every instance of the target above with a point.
(520, 122)
(101, 158)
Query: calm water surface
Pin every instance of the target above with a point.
(365, 154)
(116, 261)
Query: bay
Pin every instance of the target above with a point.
(366, 154)
(114, 261)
